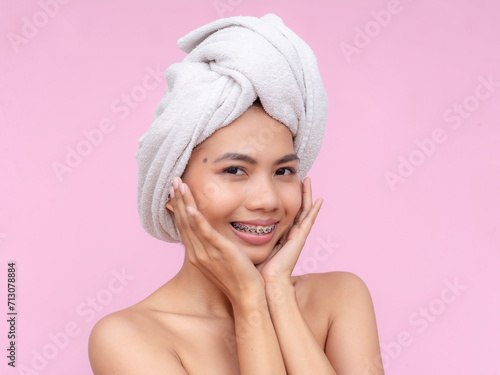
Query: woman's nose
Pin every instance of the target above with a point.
(263, 195)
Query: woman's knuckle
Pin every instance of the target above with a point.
(209, 234)
(204, 259)
(192, 258)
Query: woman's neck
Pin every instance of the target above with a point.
(195, 293)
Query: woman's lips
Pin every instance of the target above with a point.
(254, 239)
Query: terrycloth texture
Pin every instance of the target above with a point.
(230, 62)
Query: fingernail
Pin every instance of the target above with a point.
(176, 183)
(182, 189)
(172, 193)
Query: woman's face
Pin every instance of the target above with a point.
(245, 172)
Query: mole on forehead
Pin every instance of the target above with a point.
(205, 160)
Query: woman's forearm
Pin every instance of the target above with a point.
(258, 347)
(300, 349)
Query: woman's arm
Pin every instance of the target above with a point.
(301, 351)
(256, 340)
(352, 344)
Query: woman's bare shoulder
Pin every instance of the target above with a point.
(346, 300)
(336, 290)
(326, 280)
(115, 326)
(121, 343)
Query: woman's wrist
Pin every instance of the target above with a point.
(279, 291)
(249, 299)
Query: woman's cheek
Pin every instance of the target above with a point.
(208, 193)
(218, 200)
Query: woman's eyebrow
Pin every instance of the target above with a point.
(287, 158)
(250, 160)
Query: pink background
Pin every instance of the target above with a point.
(401, 83)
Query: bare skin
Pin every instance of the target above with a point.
(234, 307)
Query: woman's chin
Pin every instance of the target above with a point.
(258, 256)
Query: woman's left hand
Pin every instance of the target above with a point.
(279, 265)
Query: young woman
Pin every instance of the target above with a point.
(234, 307)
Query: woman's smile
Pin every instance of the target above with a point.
(253, 229)
(256, 235)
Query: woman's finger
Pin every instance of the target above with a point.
(194, 246)
(306, 200)
(187, 195)
(184, 194)
(307, 195)
(180, 219)
(308, 221)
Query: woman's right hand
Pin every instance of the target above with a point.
(216, 257)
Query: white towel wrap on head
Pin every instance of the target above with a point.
(230, 63)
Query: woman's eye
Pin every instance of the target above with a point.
(232, 170)
(282, 171)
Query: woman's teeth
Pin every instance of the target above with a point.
(253, 229)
